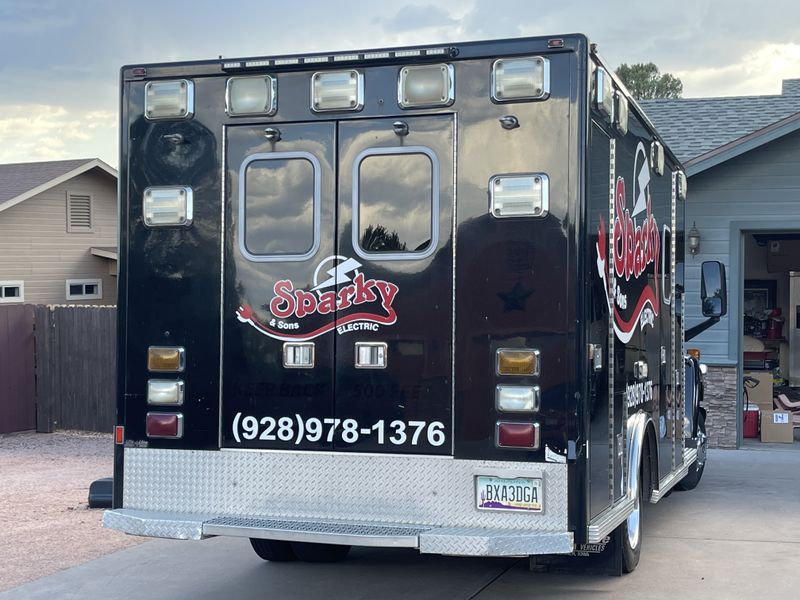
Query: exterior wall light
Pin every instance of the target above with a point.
(694, 240)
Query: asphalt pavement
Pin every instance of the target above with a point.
(736, 536)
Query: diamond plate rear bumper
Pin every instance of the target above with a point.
(358, 499)
(428, 540)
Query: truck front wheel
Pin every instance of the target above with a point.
(273, 550)
(696, 469)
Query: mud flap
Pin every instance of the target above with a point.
(605, 558)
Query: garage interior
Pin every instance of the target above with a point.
(771, 339)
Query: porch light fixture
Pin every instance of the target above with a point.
(694, 240)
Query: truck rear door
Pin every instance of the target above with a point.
(337, 285)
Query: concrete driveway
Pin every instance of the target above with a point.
(736, 536)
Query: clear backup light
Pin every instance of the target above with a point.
(165, 392)
(165, 206)
(525, 195)
(298, 355)
(517, 398)
(426, 85)
(251, 96)
(603, 93)
(520, 79)
(169, 99)
(337, 90)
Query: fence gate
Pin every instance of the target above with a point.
(17, 382)
(76, 367)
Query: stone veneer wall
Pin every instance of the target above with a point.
(719, 399)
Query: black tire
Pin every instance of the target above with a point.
(696, 470)
(273, 550)
(631, 532)
(319, 553)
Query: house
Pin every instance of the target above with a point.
(742, 157)
(58, 232)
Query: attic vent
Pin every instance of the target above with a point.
(79, 213)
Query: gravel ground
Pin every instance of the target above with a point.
(45, 521)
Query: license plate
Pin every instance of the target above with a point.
(520, 493)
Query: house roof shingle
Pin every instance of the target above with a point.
(20, 181)
(694, 126)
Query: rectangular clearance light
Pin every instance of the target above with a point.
(524, 195)
(169, 99)
(166, 359)
(371, 355)
(251, 96)
(165, 392)
(517, 361)
(298, 355)
(620, 112)
(517, 398)
(425, 85)
(603, 94)
(520, 79)
(337, 90)
(165, 206)
(517, 435)
(164, 425)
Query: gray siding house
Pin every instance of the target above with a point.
(742, 156)
(58, 232)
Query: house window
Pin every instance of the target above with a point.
(84, 289)
(11, 292)
(79, 213)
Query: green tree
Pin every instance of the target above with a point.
(645, 81)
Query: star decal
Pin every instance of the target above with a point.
(515, 299)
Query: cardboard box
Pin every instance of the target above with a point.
(762, 393)
(776, 426)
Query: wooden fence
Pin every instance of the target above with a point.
(17, 383)
(76, 350)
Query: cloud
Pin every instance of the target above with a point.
(30, 132)
(414, 17)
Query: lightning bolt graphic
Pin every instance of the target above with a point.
(338, 274)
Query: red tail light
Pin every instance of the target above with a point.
(164, 425)
(517, 435)
(119, 434)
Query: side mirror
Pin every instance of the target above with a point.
(713, 289)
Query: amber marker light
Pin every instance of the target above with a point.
(517, 362)
(694, 353)
(169, 359)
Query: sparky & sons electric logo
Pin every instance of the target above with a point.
(359, 304)
(633, 293)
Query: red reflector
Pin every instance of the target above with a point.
(555, 43)
(119, 434)
(517, 435)
(164, 425)
(139, 71)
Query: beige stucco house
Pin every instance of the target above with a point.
(58, 232)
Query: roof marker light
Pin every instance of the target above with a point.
(407, 53)
(279, 62)
(257, 63)
(437, 51)
(555, 43)
(375, 55)
(232, 65)
(344, 57)
(315, 59)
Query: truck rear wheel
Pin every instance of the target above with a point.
(319, 553)
(696, 470)
(631, 531)
(273, 550)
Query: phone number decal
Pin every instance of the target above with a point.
(298, 430)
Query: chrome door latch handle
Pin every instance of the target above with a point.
(273, 134)
(400, 128)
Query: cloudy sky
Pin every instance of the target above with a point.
(59, 59)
